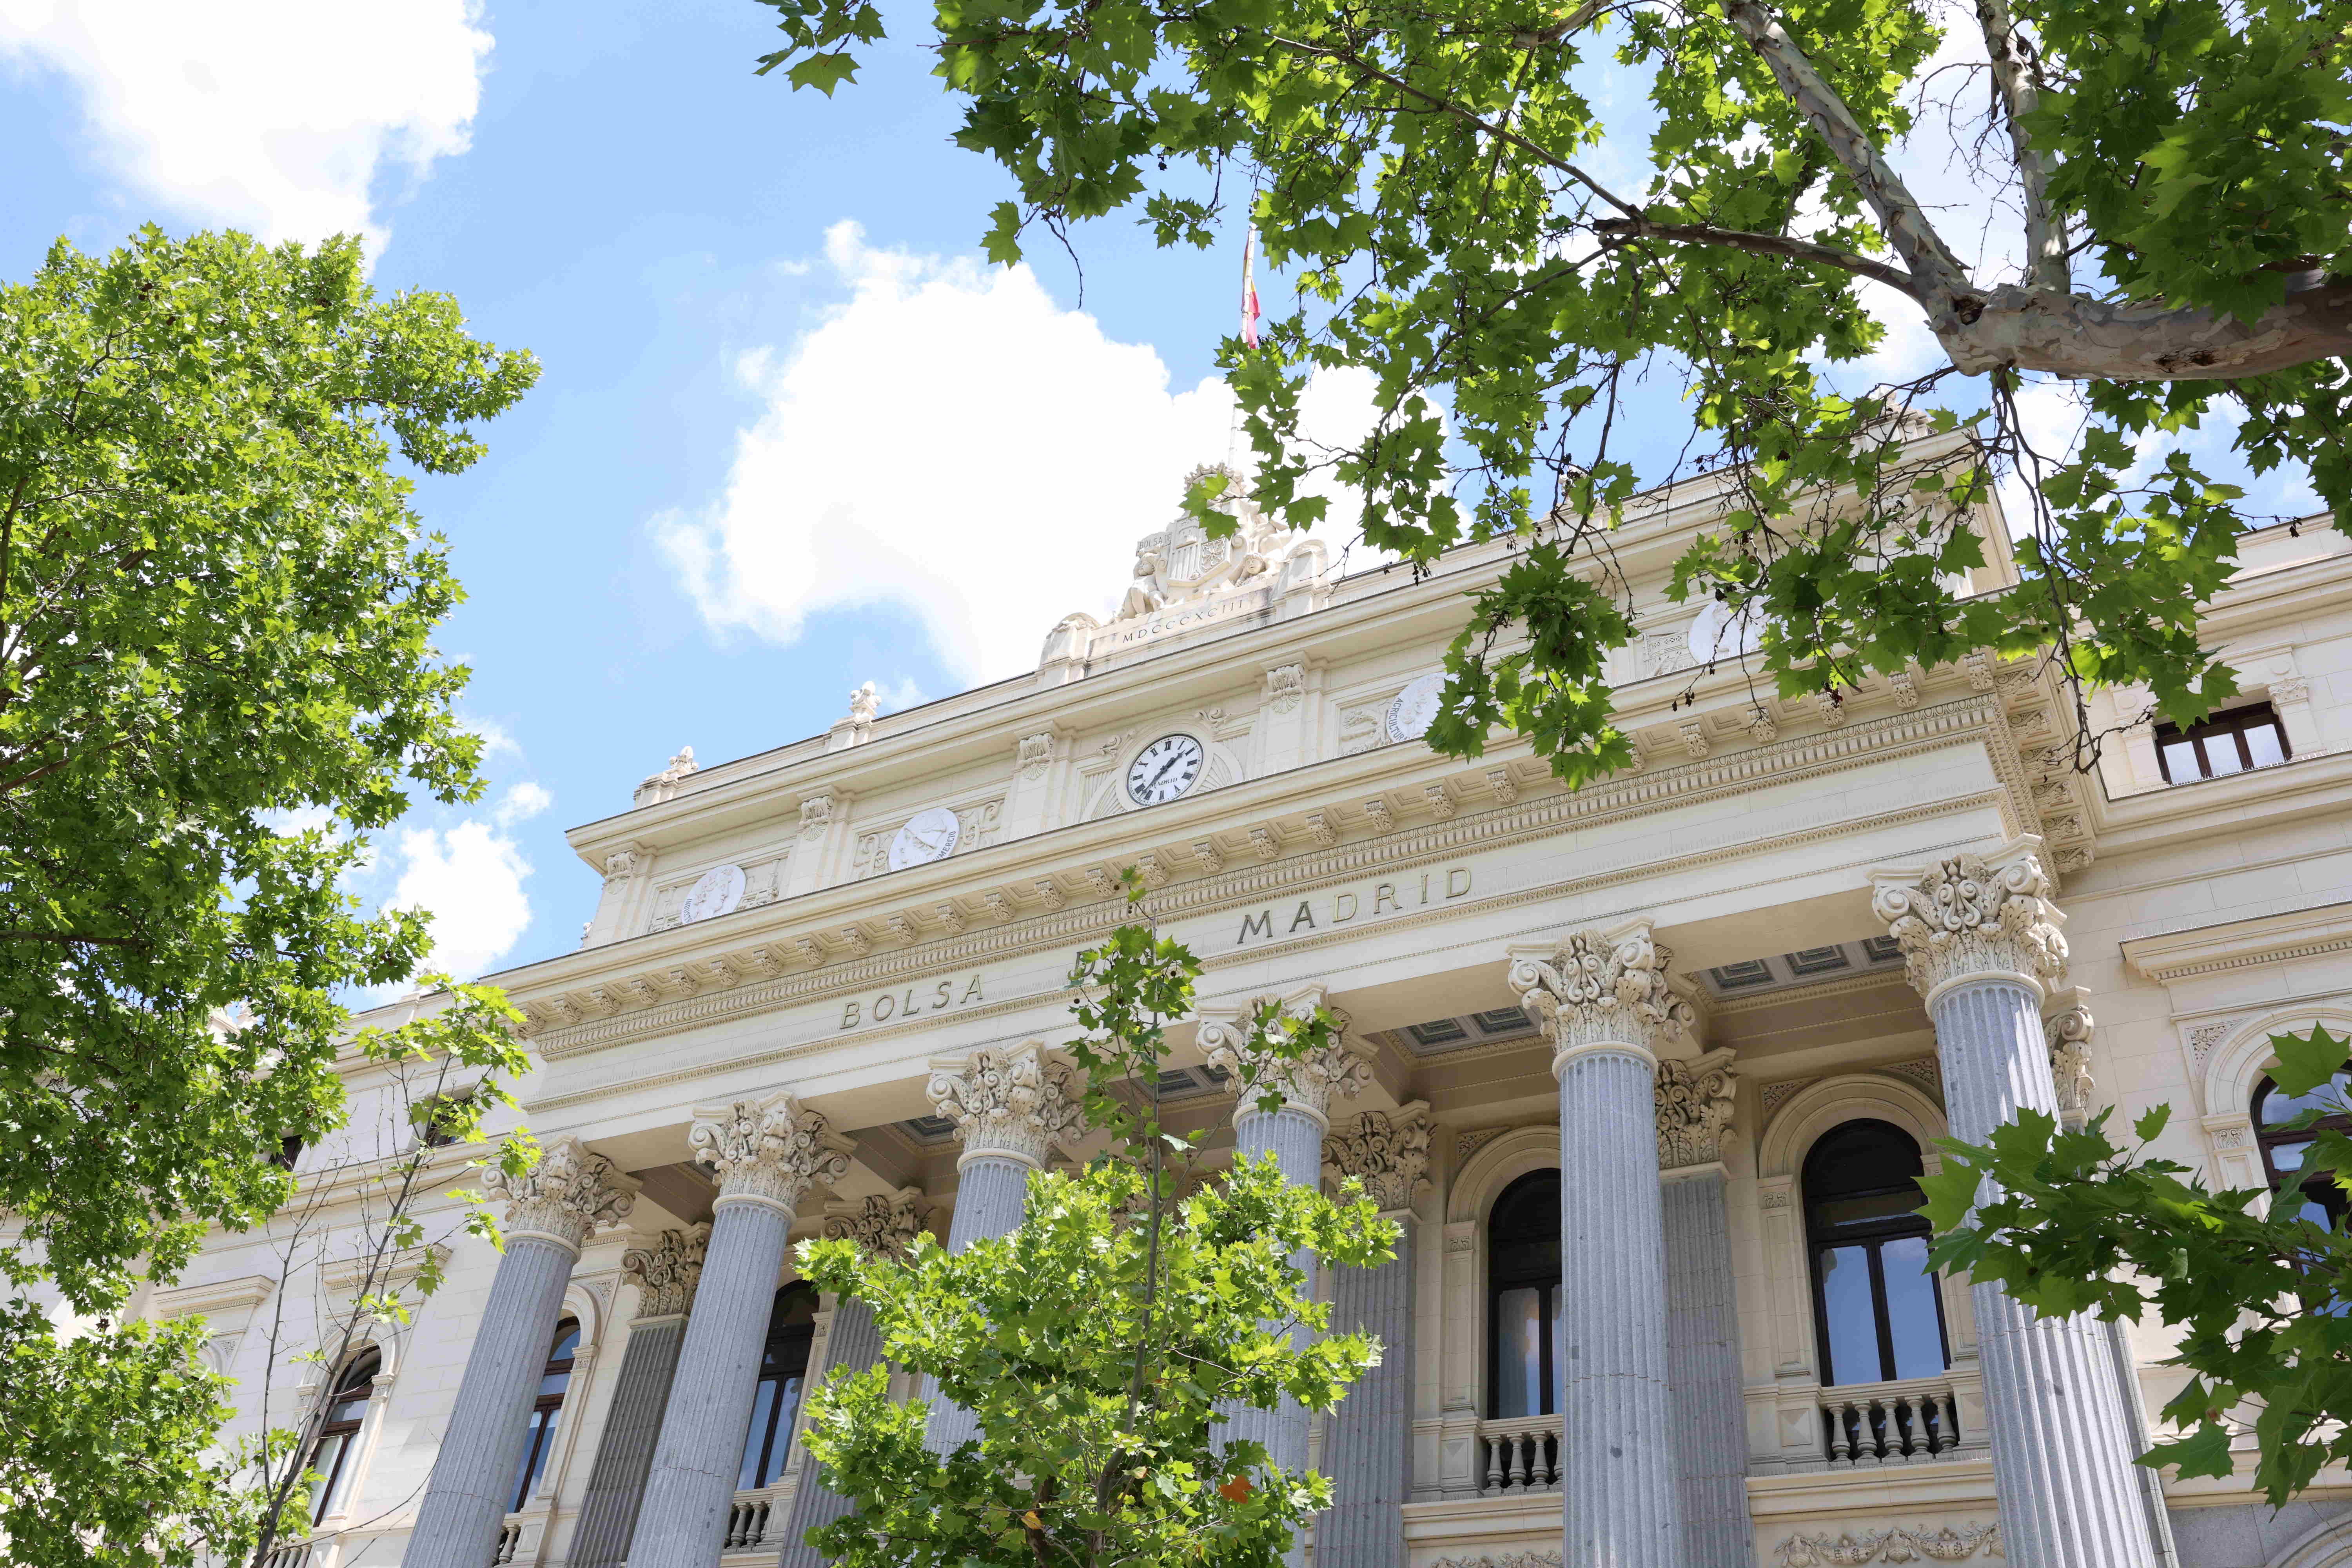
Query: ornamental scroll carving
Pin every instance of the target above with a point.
(768, 1151)
(1009, 1102)
(2069, 1034)
(1612, 989)
(884, 1226)
(1308, 1084)
(666, 1272)
(1389, 1154)
(1971, 915)
(1945, 1545)
(1694, 1104)
(571, 1191)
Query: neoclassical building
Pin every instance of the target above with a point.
(1646, 1071)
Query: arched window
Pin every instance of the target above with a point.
(1523, 1323)
(330, 1457)
(2284, 1148)
(783, 1368)
(546, 1411)
(1874, 1300)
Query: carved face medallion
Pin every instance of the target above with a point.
(1416, 707)
(1165, 769)
(928, 835)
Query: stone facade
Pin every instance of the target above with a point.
(823, 993)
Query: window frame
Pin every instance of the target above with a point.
(800, 1337)
(356, 1381)
(2231, 727)
(546, 1410)
(2314, 1187)
(1548, 1376)
(1873, 1237)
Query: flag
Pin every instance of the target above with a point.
(1249, 291)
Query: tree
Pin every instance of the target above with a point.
(1097, 1344)
(216, 677)
(2256, 1292)
(2177, 171)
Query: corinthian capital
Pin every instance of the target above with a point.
(883, 1226)
(1307, 1084)
(1011, 1103)
(1389, 1153)
(1974, 917)
(666, 1272)
(768, 1151)
(1605, 988)
(571, 1191)
(1693, 1100)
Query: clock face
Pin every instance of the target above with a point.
(1168, 767)
(928, 835)
(1415, 706)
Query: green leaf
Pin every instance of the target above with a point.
(1951, 1194)
(823, 72)
(2307, 1061)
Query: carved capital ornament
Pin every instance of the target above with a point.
(1600, 991)
(1009, 1103)
(666, 1272)
(1389, 1154)
(571, 1191)
(769, 1150)
(1308, 1084)
(1693, 1107)
(883, 1226)
(1975, 916)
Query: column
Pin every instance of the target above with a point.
(664, 1275)
(1367, 1445)
(1705, 1381)
(884, 1226)
(1293, 1134)
(1981, 941)
(551, 1209)
(1605, 1002)
(1010, 1109)
(767, 1153)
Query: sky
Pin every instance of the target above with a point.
(792, 433)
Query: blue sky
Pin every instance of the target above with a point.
(792, 436)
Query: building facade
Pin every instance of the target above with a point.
(1645, 1071)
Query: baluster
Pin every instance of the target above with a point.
(1494, 1447)
(1913, 1444)
(1554, 1456)
(1943, 1425)
(1519, 1463)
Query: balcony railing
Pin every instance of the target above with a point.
(293, 1554)
(758, 1517)
(510, 1542)
(1873, 1424)
(1518, 1454)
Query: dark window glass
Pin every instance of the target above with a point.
(289, 1149)
(434, 1125)
(2323, 1201)
(1523, 1323)
(2248, 737)
(783, 1370)
(331, 1455)
(546, 1412)
(1879, 1310)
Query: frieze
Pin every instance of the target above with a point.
(1538, 1559)
(1944, 1545)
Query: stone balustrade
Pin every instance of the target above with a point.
(1518, 1454)
(1907, 1423)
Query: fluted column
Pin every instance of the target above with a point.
(1367, 1444)
(1605, 1002)
(1981, 941)
(551, 1209)
(1710, 1414)
(1293, 1133)
(767, 1153)
(1010, 1110)
(664, 1275)
(886, 1225)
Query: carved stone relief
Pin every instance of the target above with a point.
(1945, 1545)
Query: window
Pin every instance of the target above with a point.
(2250, 737)
(1523, 1323)
(437, 1119)
(546, 1411)
(340, 1433)
(783, 1368)
(2283, 1149)
(1875, 1301)
(289, 1149)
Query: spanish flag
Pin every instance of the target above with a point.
(1249, 291)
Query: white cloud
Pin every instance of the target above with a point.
(469, 879)
(521, 803)
(952, 441)
(277, 116)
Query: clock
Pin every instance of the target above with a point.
(716, 893)
(1414, 707)
(928, 835)
(1164, 770)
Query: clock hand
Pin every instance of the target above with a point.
(1162, 773)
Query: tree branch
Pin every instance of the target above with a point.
(2018, 80)
(69, 937)
(2082, 338)
(1761, 245)
(1942, 282)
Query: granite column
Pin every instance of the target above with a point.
(1710, 1414)
(551, 1209)
(1981, 942)
(767, 1153)
(664, 1275)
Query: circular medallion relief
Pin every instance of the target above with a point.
(1416, 707)
(1722, 632)
(716, 893)
(1164, 770)
(928, 835)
